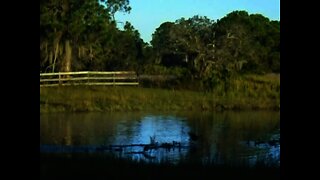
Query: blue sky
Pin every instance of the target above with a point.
(147, 15)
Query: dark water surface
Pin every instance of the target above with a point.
(227, 138)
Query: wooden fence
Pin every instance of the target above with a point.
(89, 78)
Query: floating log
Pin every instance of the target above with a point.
(118, 148)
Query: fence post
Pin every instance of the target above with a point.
(88, 75)
(114, 78)
(138, 79)
(59, 78)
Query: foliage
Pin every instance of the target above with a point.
(77, 34)
(216, 51)
(83, 35)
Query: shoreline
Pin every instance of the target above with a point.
(115, 99)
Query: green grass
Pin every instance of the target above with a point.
(243, 93)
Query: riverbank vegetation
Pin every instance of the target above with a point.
(212, 64)
(243, 93)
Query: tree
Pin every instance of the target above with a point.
(73, 25)
(247, 42)
(185, 43)
(114, 6)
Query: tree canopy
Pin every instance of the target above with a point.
(83, 35)
(73, 33)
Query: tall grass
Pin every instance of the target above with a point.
(242, 93)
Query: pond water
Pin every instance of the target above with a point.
(227, 138)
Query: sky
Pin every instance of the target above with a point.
(147, 15)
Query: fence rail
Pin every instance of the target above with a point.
(89, 78)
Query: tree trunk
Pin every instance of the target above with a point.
(66, 65)
(186, 58)
(56, 48)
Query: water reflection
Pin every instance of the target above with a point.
(216, 138)
(157, 130)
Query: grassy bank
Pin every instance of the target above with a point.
(242, 93)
